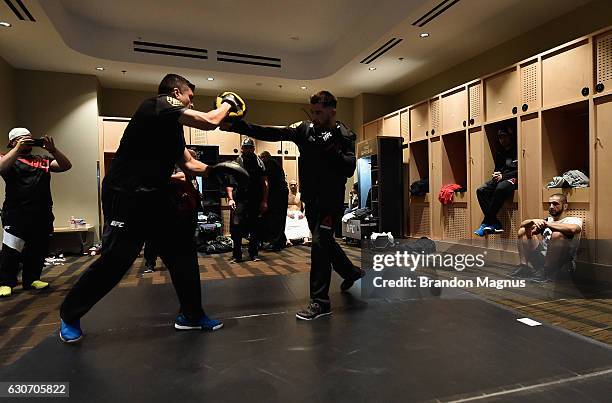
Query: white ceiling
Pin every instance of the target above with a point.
(320, 42)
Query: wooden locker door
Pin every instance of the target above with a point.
(530, 86)
(603, 61)
(530, 167)
(454, 111)
(290, 149)
(419, 121)
(113, 131)
(187, 134)
(228, 142)
(391, 126)
(501, 95)
(477, 175)
(603, 185)
(290, 167)
(370, 131)
(435, 183)
(273, 147)
(565, 73)
(435, 120)
(198, 137)
(475, 113)
(405, 131)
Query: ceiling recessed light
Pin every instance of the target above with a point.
(210, 78)
(303, 87)
(100, 68)
(372, 68)
(424, 35)
(258, 84)
(294, 38)
(5, 24)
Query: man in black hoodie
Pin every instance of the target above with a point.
(327, 160)
(503, 183)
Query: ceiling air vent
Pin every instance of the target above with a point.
(170, 50)
(19, 9)
(241, 58)
(434, 12)
(381, 51)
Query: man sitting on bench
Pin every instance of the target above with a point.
(550, 245)
(503, 183)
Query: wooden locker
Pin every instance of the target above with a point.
(530, 86)
(475, 113)
(273, 147)
(228, 142)
(566, 74)
(435, 120)
(373, 129)
(477, 173)
(530, 167)
(419, 161)
(291, 168)
(603, 63)
(405, 131)
(454, 155)
(418, 168)
(501, 95)
(435, 183)
(391, 125)
(603, 169)
(187, 134)
(290, 149)
(454, 111)
(198, 137)
(113, 131)
(565, 140)
(419, 121)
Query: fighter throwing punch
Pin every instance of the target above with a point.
(327, 159)
(136, 189)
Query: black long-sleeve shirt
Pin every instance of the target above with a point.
(327, 157)
(506, 162)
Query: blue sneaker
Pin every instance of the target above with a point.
(482, 230)
(71, 333)
(494, 229)
(205, 323)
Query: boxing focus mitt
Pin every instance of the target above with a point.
(238, 107)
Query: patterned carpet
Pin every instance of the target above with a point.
(27, 318)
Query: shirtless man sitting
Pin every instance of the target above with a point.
(296, 225)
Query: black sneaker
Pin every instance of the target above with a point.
(149, 268)
(235, 260)
(540, 277)
(313, 311)
(346, 284)
(255, 258)
(523, 271)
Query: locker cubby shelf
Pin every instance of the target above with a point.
(454, 159)
(419, 161)
(565, 140)
(491, 144)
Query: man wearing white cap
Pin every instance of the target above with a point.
(26, 213)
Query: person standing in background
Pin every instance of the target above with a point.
(27, 215)
(274, 220)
